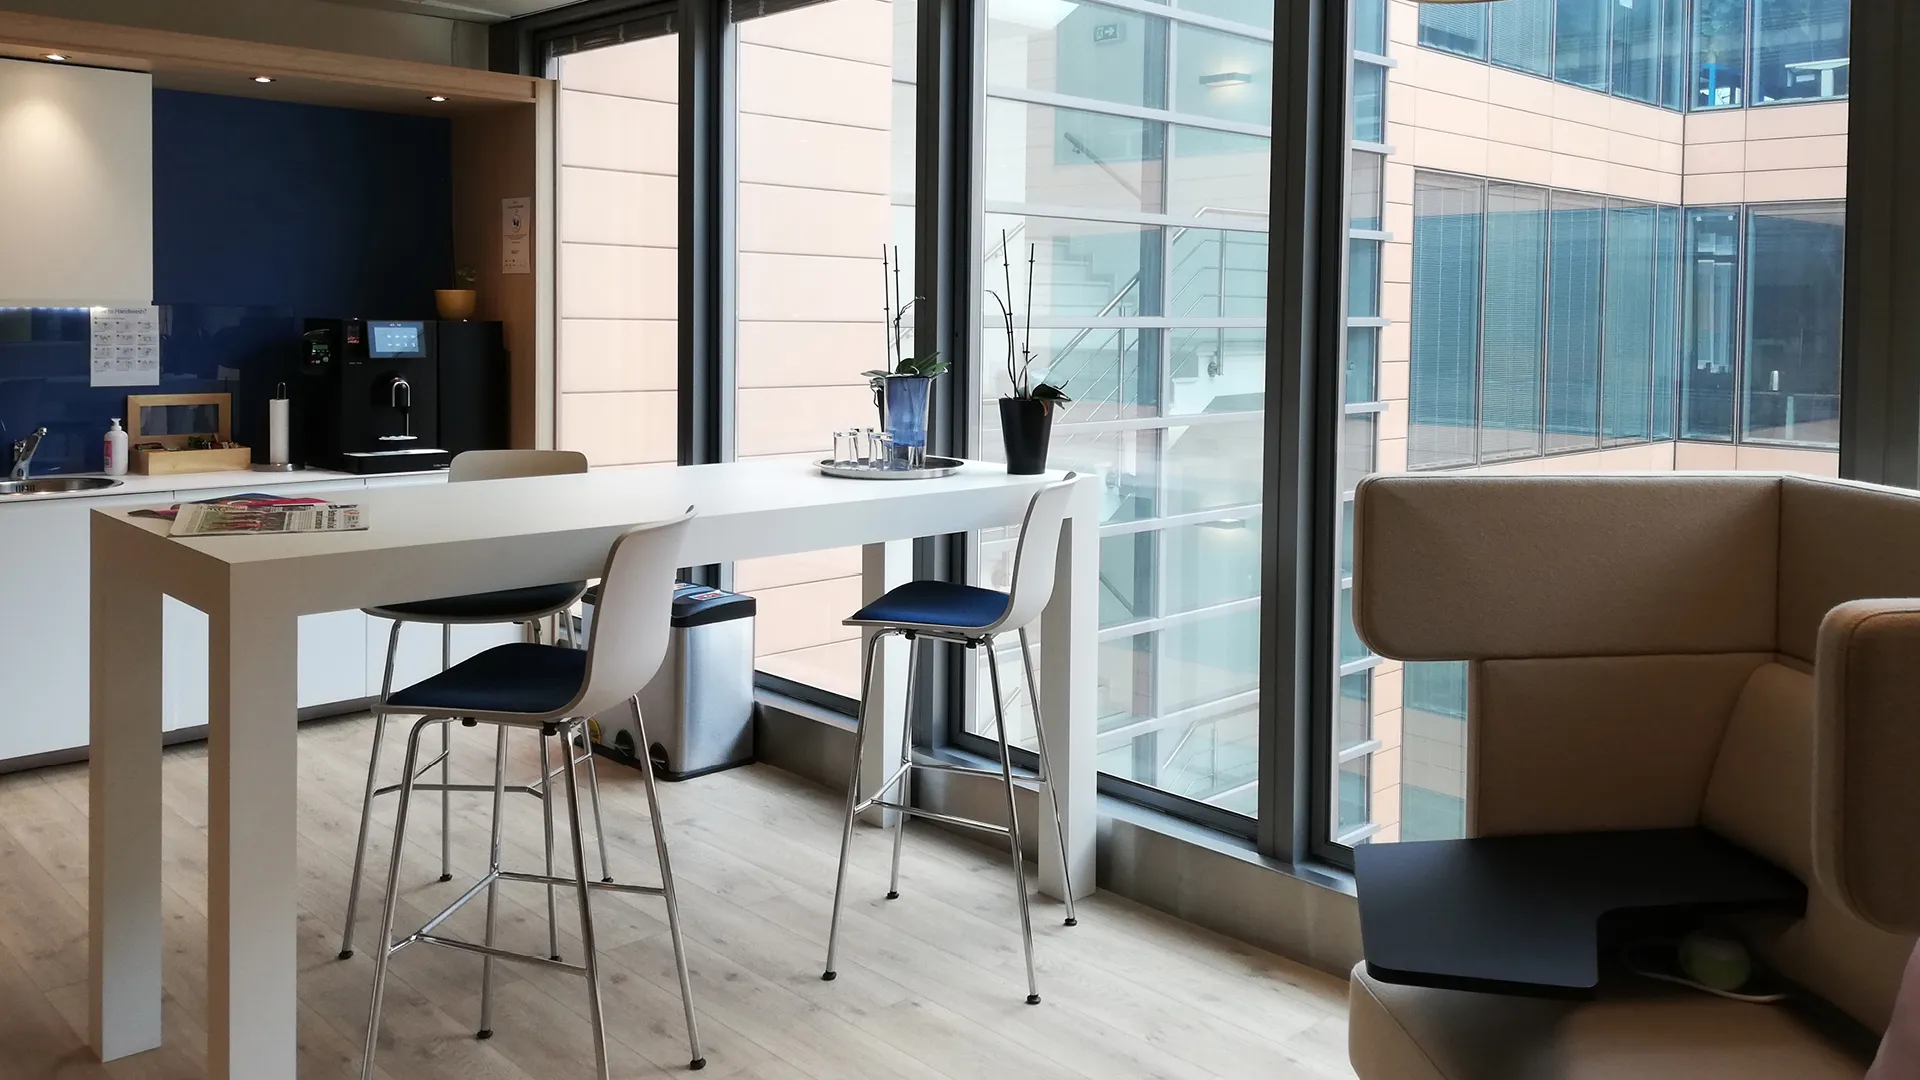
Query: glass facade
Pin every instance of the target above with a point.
(1699, 54)
(1128, 156)
(1582, 318)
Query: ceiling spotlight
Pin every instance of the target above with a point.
(56, 57)
(263, 78)
(438, 97)
(1226, 78)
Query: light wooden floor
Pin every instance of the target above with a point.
(930, 985)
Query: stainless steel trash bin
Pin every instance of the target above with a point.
(699, 708)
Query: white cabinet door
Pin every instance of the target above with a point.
(76, 176)
(44, 567)
(333, 649)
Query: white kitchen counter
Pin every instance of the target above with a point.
(165, 486)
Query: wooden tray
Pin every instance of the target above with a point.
(169, 462)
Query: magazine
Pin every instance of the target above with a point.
(230, 518)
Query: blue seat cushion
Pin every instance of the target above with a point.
(935, 603)
(517, 678)
(507, 605)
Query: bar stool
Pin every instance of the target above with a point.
(553, 690)
(972, 617)
(524, 606)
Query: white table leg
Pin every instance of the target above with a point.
(123, 884)
(883, 567)
(1069, 654)
(252, 874)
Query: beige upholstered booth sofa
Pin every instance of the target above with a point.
(1664, 651)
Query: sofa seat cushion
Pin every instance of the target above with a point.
(1414, 1033)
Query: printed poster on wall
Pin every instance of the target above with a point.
(126, 346)
(516, 236)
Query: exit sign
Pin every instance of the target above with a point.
(1108, 32)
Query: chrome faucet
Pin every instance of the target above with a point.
(23, 454)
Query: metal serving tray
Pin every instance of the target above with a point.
(933, 466)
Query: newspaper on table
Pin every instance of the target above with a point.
(240, 518)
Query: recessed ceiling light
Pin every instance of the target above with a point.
(263, 78)
(56, 57)
(438, 97)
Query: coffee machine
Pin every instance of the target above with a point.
(368, 395)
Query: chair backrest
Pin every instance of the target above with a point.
(513, 464)
(633, 618)
(1039, 549)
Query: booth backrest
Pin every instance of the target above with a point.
(1642, 654)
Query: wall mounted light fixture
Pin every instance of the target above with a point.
(1226, 78)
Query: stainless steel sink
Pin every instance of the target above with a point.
(48, 485)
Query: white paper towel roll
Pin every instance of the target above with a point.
(277, 414)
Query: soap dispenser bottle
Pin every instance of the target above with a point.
(116, 450)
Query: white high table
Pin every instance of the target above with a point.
(447, 540)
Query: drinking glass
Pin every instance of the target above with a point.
(847, 447)
(879, 449)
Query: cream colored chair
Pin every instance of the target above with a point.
(1664, 651)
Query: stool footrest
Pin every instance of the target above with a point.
(570, 883)
(949, 819)
(421, 938)
(523, 789)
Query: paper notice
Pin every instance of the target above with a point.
(516, 236)
(126, 346)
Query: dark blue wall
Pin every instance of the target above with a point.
(264, 214)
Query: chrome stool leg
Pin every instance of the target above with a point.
(446, 766)
(485, 1030)
(593, 797)
(1046, 775)
(699, 1060)
(1013, 822)
(392, 902)
(366, 801)
(853, 799)
(594, 1013)
(546, 814)
(906, 770)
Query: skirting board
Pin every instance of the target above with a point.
(196, 733)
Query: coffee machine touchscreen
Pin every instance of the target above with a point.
(396, 339)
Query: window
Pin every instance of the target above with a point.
(1369, 103)
(1516, 290)
(1446, 321)
(1637, 49)
(1434, 748)
(1795, 264)
(1712, 293)
(617, 366)
(1575, 290)
(824, 150)
(1148, 235)
(1455, 28)
(1800, 49)
(1369, 26)
(1719, 53)
(1580, 43)
(1626, 407)
(1523, 35)
(1667, 306)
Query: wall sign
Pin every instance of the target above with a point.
(516, 236)
(1107, 33)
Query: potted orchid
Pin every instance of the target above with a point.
(1026, 411)
(901, 390)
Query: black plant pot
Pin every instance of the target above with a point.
(1026, 424)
